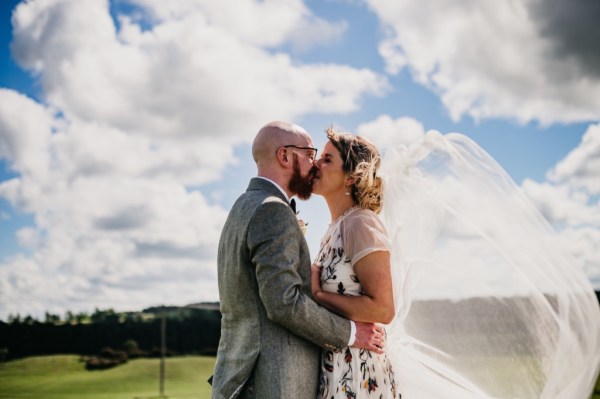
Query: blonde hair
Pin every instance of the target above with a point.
(361, 160)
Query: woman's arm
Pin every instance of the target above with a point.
(377, 303)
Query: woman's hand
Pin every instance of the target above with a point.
(315, 280)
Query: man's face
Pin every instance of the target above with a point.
(301, 183)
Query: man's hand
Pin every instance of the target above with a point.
(369, 336)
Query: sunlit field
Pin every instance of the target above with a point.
(486, 370)
(64, 377)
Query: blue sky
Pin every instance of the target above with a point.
(125, 125)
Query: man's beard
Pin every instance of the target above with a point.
(301, 185)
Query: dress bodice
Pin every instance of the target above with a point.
(353, 372)
(348, 239)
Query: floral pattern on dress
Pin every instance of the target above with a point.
(352, 373)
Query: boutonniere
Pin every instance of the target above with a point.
(302, 224)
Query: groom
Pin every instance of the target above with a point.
(271, 329)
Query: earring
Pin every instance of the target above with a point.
(347, 192)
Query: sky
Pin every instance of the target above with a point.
(126, 125)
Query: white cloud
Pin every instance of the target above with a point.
(569, 201)
(386, 132)
(25, 130)
(134, 117)
(115, 225)
(581, 168)
(496, 60)
(576, 218)
(114, 241)
(317, 32)
(255, 22)
(562, 204)
(584, 245)
(188, 76)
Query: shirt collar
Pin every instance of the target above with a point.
(276, 185)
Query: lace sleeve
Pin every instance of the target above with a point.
(363, 233)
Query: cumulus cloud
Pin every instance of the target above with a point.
(192, 74)
(573, 30)
(581, 167)
(26, 148)
(584, 245)
(259, 23)
(107, 233)
(519, 60)
(136, 112)
(528, 60)
(569, 201)
(386, 132)
(562, 204)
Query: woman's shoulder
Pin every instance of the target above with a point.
(363, 231)
(365, 218)
(362, 213)
(365, 211)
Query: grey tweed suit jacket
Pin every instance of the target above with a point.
(271, 329)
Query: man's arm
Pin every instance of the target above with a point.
(274, 241)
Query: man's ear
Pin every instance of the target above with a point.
(283, 156)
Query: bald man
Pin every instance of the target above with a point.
(271, 329)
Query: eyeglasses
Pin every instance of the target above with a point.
(312, 155)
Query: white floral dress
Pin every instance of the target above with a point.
(352, 373)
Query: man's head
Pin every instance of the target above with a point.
(284, 153)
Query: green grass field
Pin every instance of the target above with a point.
(64, 377)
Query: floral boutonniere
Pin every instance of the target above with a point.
(303, 225)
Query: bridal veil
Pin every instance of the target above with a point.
(489, 305)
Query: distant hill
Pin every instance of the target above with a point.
(192, 329)
(195, 328)
(204, 305)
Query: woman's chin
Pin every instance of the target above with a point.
(314, 187)
(316, 191)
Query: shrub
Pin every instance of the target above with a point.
(107, 358)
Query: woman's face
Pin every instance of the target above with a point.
(329, 178)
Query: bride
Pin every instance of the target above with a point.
(486, 302)
(351, 275)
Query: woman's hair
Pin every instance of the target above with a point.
(361, 160)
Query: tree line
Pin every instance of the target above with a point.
(193, 329)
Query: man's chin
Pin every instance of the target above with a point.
(304, 196)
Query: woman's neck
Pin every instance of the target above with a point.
(338, 205)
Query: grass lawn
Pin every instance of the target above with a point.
(492, 369)
(64, 377)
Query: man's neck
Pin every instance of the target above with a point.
(277, 184)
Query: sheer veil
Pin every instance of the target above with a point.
(488, 303)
